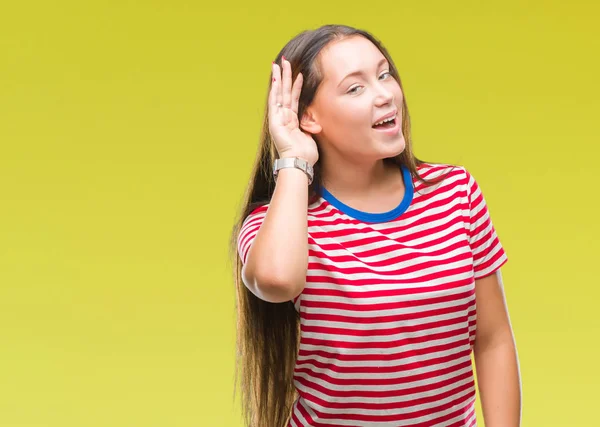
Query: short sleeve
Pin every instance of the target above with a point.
(488, 253)
(248, 231)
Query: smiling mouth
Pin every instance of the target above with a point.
(387, 125)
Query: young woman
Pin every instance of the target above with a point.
(366, 278)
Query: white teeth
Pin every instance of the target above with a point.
(384, 121)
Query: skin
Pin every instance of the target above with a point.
(341, 118)
(495, 354)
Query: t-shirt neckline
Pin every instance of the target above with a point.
(375, 217)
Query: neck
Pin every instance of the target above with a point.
(356, 179)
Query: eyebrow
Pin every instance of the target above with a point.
(360, 72)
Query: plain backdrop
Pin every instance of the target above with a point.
(127, 134)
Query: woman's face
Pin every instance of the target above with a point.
(356, 92)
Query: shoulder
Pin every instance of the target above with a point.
(255, 213)
(433, 170)
(456, 178)
(441, 175)
(258, 208)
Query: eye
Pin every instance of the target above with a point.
(354, 89)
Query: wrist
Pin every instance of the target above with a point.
(295, 162)
(290, 155)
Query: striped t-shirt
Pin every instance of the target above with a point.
(388, 312)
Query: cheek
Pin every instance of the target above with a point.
(352, 115)
(399, 96)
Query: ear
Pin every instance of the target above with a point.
(309, 123)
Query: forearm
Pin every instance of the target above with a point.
(278, 258)
(499, 382)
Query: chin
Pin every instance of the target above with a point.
(396, 148)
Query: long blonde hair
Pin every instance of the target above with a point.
(268, 333)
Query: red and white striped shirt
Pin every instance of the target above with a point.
(388, 312)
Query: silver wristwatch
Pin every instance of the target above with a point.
(293, 162)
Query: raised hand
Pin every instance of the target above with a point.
(284, 126)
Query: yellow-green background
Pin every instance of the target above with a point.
(127, 134)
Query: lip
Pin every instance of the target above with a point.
(387, 116)
(390, 131)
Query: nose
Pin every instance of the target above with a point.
(384, 95)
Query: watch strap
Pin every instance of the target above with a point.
(294, 162)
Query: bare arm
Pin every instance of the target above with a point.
(496, 356)
(277, 260)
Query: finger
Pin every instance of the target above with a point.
(275, 89)
(272, 94)
(286, 83)
(278, 82)
(296, 90)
